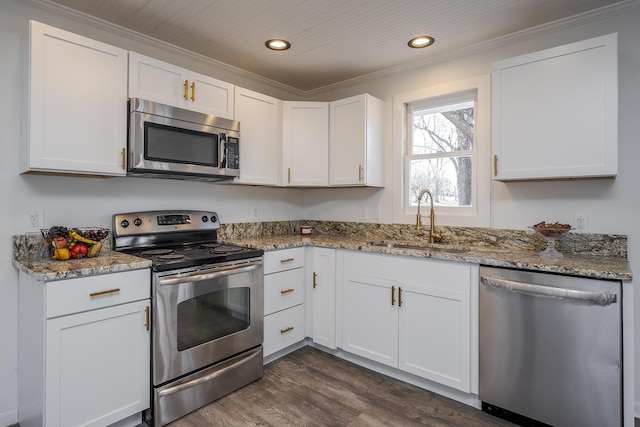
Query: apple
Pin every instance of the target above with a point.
(79, 250)
(60, 242)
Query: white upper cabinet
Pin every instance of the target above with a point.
(555, 112)
(356, 146)
(305, 141)
(169, 84)
(76, 118)
(260, 117)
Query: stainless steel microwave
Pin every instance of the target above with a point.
(171, 142)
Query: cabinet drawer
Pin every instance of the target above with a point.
(89, 293)
(283, 290)
(282, 260)
(283, 328)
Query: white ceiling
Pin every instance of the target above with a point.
(332, 40)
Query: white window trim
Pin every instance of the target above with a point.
(480, 216)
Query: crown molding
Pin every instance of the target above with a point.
(605, 12)
(595, 15)
(49, 6)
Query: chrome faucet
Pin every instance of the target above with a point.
(433, 236)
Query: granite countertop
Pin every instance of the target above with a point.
(593, 256)
(106, 262)
(598, 267)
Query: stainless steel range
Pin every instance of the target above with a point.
(207, 308)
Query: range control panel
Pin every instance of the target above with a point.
(156, 222)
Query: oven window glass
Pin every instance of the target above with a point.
(171, 144)
(213, 315)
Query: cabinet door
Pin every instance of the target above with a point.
(370, 318)
(356, 149)
(259, 117)
(324, 297)
(434, 334)
(77, 118)
(305, 143)
(555, 112)
(210, 96)
(97, 365)
(158, 81)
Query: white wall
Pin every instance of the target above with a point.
(91, 201)
(610, 206)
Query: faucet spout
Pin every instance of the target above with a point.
(433, 236)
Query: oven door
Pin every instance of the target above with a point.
(204, 315)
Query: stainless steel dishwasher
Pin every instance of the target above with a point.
(550, 348)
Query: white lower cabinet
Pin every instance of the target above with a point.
(84, 349)
(410, 314)
(323, 295)
(284, 295)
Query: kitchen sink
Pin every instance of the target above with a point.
(427, 247)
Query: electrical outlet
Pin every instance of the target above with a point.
(581, 222)
(255, 213)
(33, 220)
(375, 213)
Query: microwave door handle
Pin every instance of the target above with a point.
(222, 150)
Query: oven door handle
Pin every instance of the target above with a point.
(249, 356)
(208, 276)
(603, 298)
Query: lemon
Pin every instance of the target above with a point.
(62, 254)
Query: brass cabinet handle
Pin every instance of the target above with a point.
(315, 277)
(399, 296)
(186, 89)
(283, 261)
(495, 165)
(393, 295)
(147, 315)
(286, 291)
(285, 330)
(288, 175)
(193, 91)
(110, 291)
(124, 158)
(360, 173)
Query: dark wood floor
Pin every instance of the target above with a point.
(311, 388)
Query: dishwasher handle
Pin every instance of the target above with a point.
(603, 298)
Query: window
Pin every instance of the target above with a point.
(441, 153)
(441, 143)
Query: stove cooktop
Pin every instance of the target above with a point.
(175, 239)
(174, 258)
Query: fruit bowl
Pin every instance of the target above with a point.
(74, 243)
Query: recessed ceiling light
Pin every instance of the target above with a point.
(277, 44)
(421, 41)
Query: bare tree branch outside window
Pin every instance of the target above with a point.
(440, 154)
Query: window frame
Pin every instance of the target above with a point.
(478, 215)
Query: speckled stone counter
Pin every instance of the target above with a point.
(594, 256)
(599, 267)
(30, 256)
(586, 255)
